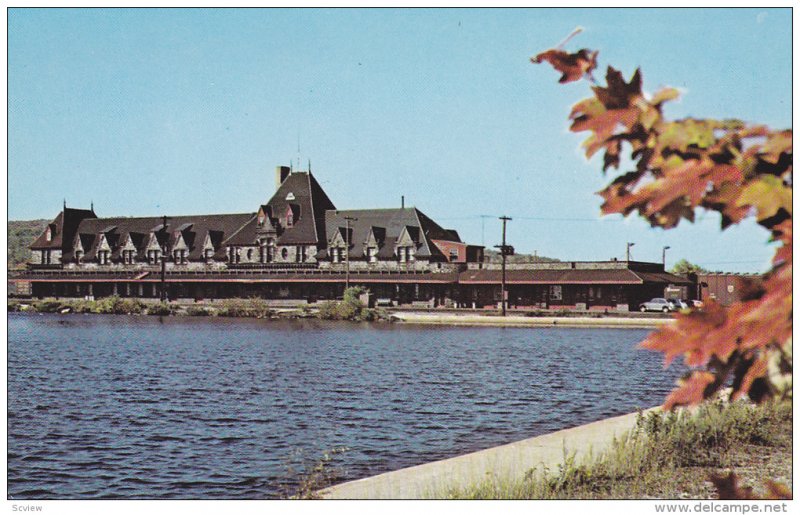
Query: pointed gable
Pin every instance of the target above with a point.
(375, 237)
(179, 243)
(265, 221)
(339, 238)
(409, 237)
(103, 243)
(153, 242)
(208, 243)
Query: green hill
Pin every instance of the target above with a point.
(20, 235)
(492, 256)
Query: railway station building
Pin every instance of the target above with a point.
(297, 247)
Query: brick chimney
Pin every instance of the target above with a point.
(281, 173)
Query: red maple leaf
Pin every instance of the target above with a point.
(572, 66)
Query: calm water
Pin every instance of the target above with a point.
(142, 407)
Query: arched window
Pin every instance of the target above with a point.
(284, 253)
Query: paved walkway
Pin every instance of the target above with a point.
(510, 461)
(523, 321)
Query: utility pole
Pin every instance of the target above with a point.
(628, 251)
(505, 250)
(347, 220)
(164, 261)
(664, 257)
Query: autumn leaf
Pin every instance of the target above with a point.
(777, 144)
(664, 95)
(619, 94)
(572, 66)
(728, 488)
(768, 195)
(691, 390)
(755, 370)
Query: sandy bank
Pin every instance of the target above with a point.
(505, 463)
(523, 321)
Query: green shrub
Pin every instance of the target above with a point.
(250, 308)
(197, 311)
(115, 305)
(350, 308)
(82, 306)
(160, 309)
(48, 306)
(328, 310)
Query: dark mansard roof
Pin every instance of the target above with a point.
(388, 225)
(193, 229)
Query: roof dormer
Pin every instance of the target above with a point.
(292, 214)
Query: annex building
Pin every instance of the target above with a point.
(298, 247)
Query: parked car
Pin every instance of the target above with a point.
(657, 304)
(678, 304)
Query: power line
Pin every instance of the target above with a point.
(535, 218)
(729, 262)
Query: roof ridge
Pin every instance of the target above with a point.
(240, 229)
(376, 209)
(168, 216)
(428, 246)
(311, 201)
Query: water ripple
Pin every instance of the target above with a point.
(141, 408)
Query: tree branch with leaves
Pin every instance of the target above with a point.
(736, 169)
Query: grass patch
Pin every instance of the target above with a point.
(245, 308)
(161, 309)
(107, 305)
(667, 456)
(314, 476)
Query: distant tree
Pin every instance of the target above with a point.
(684, 267)
(20, 235)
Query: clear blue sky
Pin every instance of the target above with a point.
(150, 112)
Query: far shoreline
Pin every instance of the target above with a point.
(261, 309)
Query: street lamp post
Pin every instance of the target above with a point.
(347, 220)
(164, 255)
(628, 251)
(664, 256)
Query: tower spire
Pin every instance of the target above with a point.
(298, 150)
